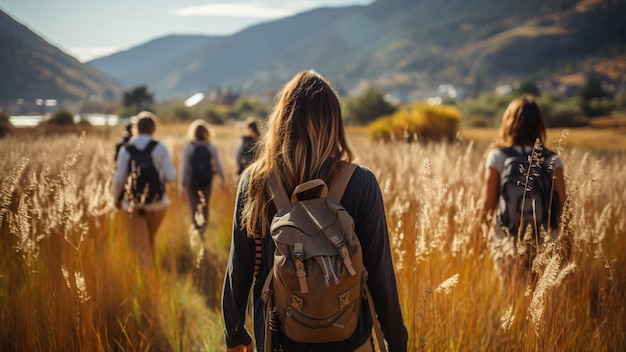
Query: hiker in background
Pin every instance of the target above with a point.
(306, 140)
(200, 161)
(125, 138)
(507, 169)
(143, 168)
(246, 148)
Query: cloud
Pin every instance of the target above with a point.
(246, 10)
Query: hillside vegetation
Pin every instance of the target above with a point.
(31, 68)
(404, 45)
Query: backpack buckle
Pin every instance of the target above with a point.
(297, 255)
(298, 258)
(344, 254)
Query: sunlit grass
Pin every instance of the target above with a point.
(69, 281)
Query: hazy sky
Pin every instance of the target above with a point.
(87, 29)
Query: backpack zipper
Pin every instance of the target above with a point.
(330, 266)
(325, 269)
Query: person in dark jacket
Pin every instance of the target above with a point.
(125, 138)
(305, 140)
(246, 148)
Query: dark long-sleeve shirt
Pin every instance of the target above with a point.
(363, 201)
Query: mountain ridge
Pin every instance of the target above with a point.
(32, 69)
(399, 45)
(407, 44)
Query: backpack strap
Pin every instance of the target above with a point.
(278, 195)
(150, 147)
(266, 296)
(378, 333)
(258, 255)
(510, 152)
(277, 191)
(132, 149)
(335, 192)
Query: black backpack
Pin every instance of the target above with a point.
(535, 205)
(144, 183)
(248, 145)
(201, 166)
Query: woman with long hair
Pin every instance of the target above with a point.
(522, 127)
(306, 140)
(523, 189)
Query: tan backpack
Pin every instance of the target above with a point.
(318, 278)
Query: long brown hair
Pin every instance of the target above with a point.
(522, 123)
(305, 140)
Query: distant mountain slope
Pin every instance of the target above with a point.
(588, 32)
(399, 44)
(155, 53)
(31, 68)
(226, 61)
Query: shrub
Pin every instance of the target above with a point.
(217, 114)
(527, 87)
(246, 107)
(367, 106)
(182, 113)
(564, 114)
(598, 107)
(595, 100)
(419, 121)
(62, 117)
(485, 110)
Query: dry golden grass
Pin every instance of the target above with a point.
(69, 282)
(68, 279)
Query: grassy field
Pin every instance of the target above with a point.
(69, 282)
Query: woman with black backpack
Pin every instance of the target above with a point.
(524, 188)
(200, 161)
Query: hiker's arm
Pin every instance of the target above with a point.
(559, 186)
(121, 172)
(169, 172)
(239, 151)
(490, 192)
(218, 164)
(237, 283)
(183, 178)
(372, 224)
